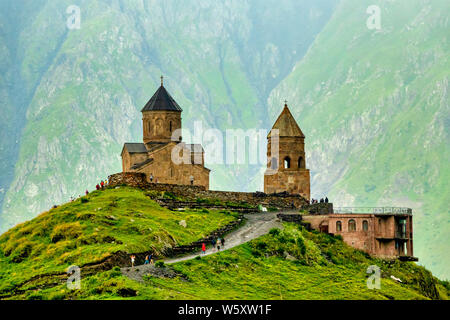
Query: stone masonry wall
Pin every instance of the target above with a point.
(279, 201)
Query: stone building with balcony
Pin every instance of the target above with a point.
(381, 232)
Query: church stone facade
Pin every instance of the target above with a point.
(286, 170)
(161, 119)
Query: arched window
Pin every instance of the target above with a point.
(170, 126)
(338, 226)
(365, 225)
(287, 163)
(351, 225)
(274, 163)
(300, 163)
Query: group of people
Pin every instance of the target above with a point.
(218, 244)
(148, 259)
(101, 185)
(322, 200)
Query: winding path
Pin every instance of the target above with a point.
(256, 225)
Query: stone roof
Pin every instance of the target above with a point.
(153, 145)
(141, 164)
(162, 101)
(135, 147)
(287, 125)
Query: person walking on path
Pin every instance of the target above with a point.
(222, 241)
(213, 242)
(218, 244)
(87, 192)
(151, 178)
(133, 258)
(203, 248)
(102, 184)
(150, 258)
(147, 261)
(97, 187)
(326, 200)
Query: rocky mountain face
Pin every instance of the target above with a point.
(375, 106)
(81, 91)
(372, 103)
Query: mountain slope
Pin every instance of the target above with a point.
(374, 106)
(220, 61)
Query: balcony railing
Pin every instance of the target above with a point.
(373, 210)
(400, 235)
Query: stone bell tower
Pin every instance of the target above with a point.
(161, 116)
(286, 171)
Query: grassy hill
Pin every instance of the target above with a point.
(292, 263)
(95, 227)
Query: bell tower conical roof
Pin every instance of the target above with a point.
(162, 101)
(287, 125)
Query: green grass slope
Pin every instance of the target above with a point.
(93, 228)
(319, 267)
(374, 106)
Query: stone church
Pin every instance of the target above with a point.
(286, 170)
(161, 118)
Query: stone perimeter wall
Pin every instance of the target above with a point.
(139, 180)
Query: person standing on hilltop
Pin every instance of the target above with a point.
(133, 258)
(102, 184)
(97, 187)
(151, 178)
(326, 200)
(222, 241)
(87, 192)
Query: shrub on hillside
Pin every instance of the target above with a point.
(274, 231)
(66, 231)
(22, 251)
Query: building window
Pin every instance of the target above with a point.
(287, 163)
(365, 225)
(351, 225)
(274, 163)
(338, 226)
(170, 126)
(300, 163)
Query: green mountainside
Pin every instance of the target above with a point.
(285, 264)
(375, 106)
(220, 62)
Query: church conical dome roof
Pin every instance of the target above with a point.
(162, 101)
(287, 125)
